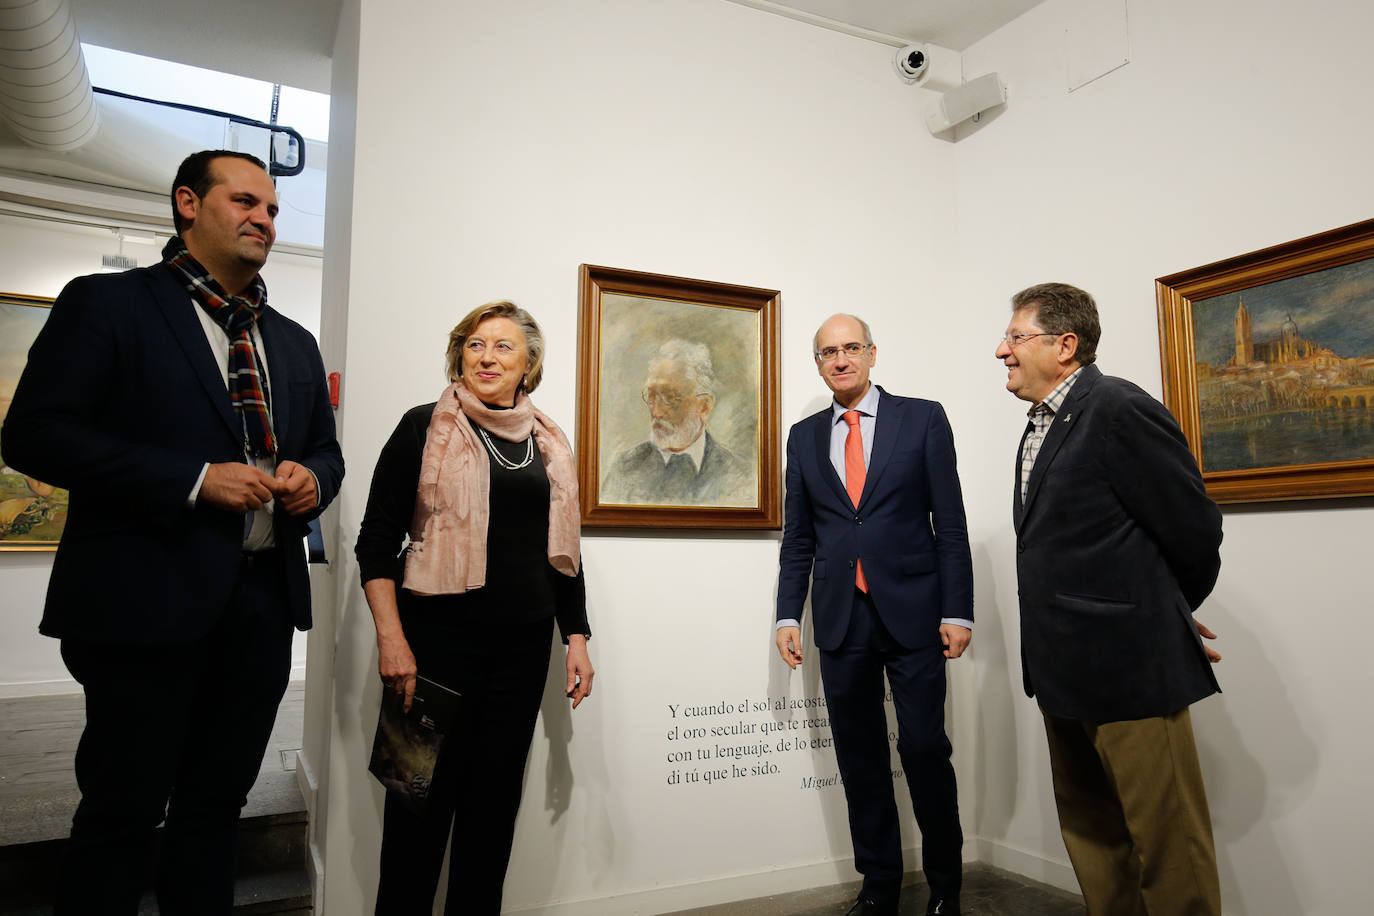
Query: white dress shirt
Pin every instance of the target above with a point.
(258, 535)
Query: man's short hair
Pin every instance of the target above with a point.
(195, 174)
(695, 359)
(816, 337)
(502, 308)
(1064, 309)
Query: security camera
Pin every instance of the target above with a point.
(911, 62)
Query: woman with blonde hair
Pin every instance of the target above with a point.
(483, 485)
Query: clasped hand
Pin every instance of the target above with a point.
(240, 487)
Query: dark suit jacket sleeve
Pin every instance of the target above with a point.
(947, 518)
(74, 421)
(1157, 480)
(798, 532)
(321, 454)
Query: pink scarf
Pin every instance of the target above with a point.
(448, 535)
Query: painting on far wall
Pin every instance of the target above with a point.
(32, 513)
(677, 420)
(1269, 366)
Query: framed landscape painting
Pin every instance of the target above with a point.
(1268, 363)
(32, 513)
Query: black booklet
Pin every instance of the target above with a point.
(406, 748)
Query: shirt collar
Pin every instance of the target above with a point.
(868, 405)
(695, 451)
(1055, 398)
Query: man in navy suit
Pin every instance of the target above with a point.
(1116, 546)
(191, 424)
(875, 526)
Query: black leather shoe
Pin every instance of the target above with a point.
(866, 907)
(946, 907)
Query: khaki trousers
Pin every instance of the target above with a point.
(1133, 814)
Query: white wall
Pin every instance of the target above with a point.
(1237, 125)
(684, 140)
(674, 137)
(37, 258)
(323, 725)
(704, 139)
(683, 137)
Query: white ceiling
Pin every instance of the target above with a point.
(291, 42)
(953, 24)
(279, 42)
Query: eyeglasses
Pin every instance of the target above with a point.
(852, 350)
(1012, 340)
(670, 400)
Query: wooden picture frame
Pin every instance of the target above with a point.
(671, 365)
(32, 513)
(1268, 363)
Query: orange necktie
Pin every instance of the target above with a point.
(854, 473)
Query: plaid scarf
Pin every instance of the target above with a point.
(236, 314)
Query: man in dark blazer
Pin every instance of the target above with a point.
(181, 570)
(875, 527)
(1116, 546)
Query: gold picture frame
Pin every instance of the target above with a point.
(1268, 363)
(642, 334)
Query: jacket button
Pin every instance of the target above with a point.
(1020, 548)
(851, 564)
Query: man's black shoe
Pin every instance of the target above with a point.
(946, 907)
(866, 907)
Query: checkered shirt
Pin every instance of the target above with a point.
(1041, 416)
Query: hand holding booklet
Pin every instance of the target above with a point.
(406, 748)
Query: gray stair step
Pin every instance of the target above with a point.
(272, 874)
(38, 793)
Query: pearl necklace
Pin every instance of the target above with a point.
(501, 459)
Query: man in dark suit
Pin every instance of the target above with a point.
(192, 426)
(681, 463)
(1116, 546)
(875, 526)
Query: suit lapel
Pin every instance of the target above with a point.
(823, 430)
(887, 430)
(1063, 426)
(1017, 509)
(269, 325)
(176, 306)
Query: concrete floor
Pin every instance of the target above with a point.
(38, 738)
(988, 891)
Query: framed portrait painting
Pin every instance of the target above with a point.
(32, 513)
(677, 406)
(1268, 363)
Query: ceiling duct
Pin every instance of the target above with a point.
(45, 93)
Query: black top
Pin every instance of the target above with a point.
(517, 538)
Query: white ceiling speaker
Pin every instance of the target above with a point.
(964, 102)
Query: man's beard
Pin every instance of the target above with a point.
(675, 437)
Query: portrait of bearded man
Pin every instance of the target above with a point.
(681, 463)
